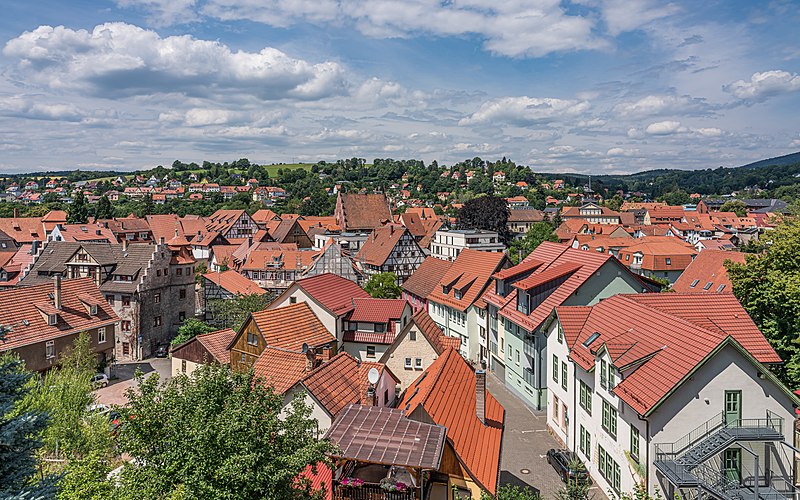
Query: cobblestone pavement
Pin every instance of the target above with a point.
(525, 444)
(114, 394)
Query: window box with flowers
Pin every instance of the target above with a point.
(352, 482)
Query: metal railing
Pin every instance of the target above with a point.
(370, 492)
(667, 451)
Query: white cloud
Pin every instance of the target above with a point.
(165, 12)
(592, 123)
(668, 127)
(764, 85)
(629, 15)
(525, 110)
(24, 107)
(708, 131)
(795, 143)
(120, 60)
(622, 152)
(661, 104)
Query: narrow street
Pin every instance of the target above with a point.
(114, 394)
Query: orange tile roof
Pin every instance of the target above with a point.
(333, 292)
(25, 303)
(341, 381)
(23, 229)
(379, 245)
(656, 253)
(217, 344)
(263, 215)
(222, 221)
(471, 272)
(672, 333)
(707, 267)
(446, 390)
(437, 339)
(422, 282)
(364, 211)
(289, 327)
(320, 476)
(280, 368)
(371, 310)
(234, 283)
(546, 276)
(665, 213)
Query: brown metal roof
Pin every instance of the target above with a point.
(380, 435)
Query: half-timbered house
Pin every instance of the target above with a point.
(390, 248)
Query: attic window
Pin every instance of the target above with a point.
(669, 261)
(445, 289)
(52, 319)
(93, 310)
(708, 285)
(457, 294)
(694, 283)
(592, 338)
(721, 288)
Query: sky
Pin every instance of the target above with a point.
(588, 86)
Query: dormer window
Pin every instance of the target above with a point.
(669, 261)
(52, 319)
(445, 289)
(93, 310)
(457, 294)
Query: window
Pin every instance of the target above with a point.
(110, 299)
(252, 339)
(418, 363)
(126, 300)
(669, 261)
(166, 271)
(555, 368)
(157, 321)
(586, 444)
(708, 285)
(52, 319)
(408, 364)
(586, 397)
(564, 375)
(603, 372)
(181, 316)
(609, 419)
(635, 444)
(609, 468)
(555, 408)
(101, 335)
(721, 288)
(243, 358)
(370, 351)
(182, 293)
(50, 349)
(188, 271)
(560, 334)
(412, 335)
(158, 272)
(183, 366)
(293, 300)
(517, 356)
(380, 327)
(694, 283)
(157, 298)
(93, 310)
(125, 325)
(179, 271)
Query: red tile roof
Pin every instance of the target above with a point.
(422, 282)
(446, 390)
(370, 310)
(379, 245)
(321, 479)
(470, 273)
(291, 326)
(333, 292)
(671, 332)
(217, 344)
(550, 274)
(656, 253)
(707, 267)
(23, 229)
(363, 211)
(340, 382)
(222, 221)
(234, 283)
(23, 304)
(280, 368)
(523, 267)
(263, 215)
(437, 339)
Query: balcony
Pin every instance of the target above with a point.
(370, 492)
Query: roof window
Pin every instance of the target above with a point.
(694, 283)
(708, 285)
(591, 339)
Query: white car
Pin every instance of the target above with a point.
(99, 380)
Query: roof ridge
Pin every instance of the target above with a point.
(626, 296)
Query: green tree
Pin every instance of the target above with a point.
(190, 328)
(78, 211)
(86, 479)
(486, 212)
(768, 286)
(383, 286)
(736, 206)
(231, 313)
(215, 434)
(575, 489)
(20, 434)
(510, 492)
(538, 232)
(104, 209)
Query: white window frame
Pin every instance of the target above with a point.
(101, 335)
(408, 364)
(50, 349)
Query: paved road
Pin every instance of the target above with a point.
(525, 444)
(114, 394)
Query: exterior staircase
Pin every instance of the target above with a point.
(683, 463)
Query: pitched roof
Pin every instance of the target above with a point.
(23, 229)
(258, 260)
(263, 215)
(669, 334)
(446, 391)
(222, 221)
(422, 282)
(656, 253)
(333, 292)
(435, 336)
(280, 368)
(321, 480)
(234, 282)
(525, 215)
(289, 327)
(364, 211)
(22, 305)
(707, 267)
(340, 382)
(470, 273)
(217, 344)
(371, 310)
(379, 245)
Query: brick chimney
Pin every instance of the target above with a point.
(480, 395)
(327, 353)
(124, 244)
(57, 291)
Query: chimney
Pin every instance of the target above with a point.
(327, 353)
(124, 244)
(311, 359)
(16, 213)
(34, 247)
(480, 395)
(57, 292)
(161, 240)
(370, 395)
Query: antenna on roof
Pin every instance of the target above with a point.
(305, 347)
(373, 375)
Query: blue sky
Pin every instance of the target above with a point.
(594, 86)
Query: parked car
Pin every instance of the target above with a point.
(100, 380)
(568, 466)
(162, 351)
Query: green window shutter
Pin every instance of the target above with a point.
(564, 375)
(555, 368)
(635, 443)
(603, 370)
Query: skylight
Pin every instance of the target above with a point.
(694, 283)
(592, 338)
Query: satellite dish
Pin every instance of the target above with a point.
(305, 347)
(373, 375)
